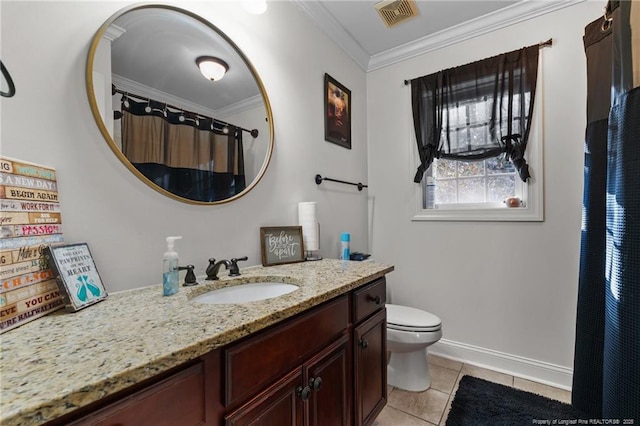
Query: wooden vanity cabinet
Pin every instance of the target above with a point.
(315, 394)
(179, 399)
(307, 358)
(370, 351)
(323, 367)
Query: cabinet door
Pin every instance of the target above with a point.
(280, 405)
(370, 356)
(328, 378)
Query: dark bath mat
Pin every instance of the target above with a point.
(480, 402)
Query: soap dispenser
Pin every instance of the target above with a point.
(170, 268)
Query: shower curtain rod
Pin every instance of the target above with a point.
(540, 45)
(254, 133)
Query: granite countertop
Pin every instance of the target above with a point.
(63, 361)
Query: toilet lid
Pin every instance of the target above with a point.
(411, 319)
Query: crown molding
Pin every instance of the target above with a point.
(519, 12)
(328, 24)
(145, 91)
(502, 18)
(241, 106)
(113, 32)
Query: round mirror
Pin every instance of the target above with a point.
(196, 137)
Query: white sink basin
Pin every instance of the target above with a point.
(243, 293)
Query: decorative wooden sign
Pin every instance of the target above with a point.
(30, 220)
(281, 244)
(76, 274)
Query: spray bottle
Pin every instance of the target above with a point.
(345, 253)
(170, 268)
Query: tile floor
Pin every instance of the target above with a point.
(431, 407)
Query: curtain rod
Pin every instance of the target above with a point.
(254, 133)
(319, 180)
(540, 45)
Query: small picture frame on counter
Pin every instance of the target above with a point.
(281, 244)
(76, 274)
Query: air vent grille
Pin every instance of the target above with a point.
(393, 12)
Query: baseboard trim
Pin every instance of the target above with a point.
(525, 368)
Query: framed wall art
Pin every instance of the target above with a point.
(337, 112)
(281, 244)
(77, 275)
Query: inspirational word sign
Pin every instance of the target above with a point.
(281, 244)
(77, 275)
(30, 220)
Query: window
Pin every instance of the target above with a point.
(475, 190)
(483, 183)
(478, 130)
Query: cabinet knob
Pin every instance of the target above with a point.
(303, 392)
(375, 299)
(315, 383)
(363, 343)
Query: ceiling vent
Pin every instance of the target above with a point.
(393, 12)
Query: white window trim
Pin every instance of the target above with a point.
(533, 211)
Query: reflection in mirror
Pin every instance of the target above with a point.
(194, 139)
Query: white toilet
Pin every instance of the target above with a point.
(409, 332)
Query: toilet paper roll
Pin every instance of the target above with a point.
(307, 218)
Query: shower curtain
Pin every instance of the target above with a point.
(606, 377)
(184, 154)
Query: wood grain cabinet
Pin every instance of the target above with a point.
(315, 393)
(323, 367)
(177, 400)
(370, 351)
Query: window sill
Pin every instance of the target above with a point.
(501, 214)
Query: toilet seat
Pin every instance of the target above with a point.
(405, 318)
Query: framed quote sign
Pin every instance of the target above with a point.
(281, 244)
(77, 275)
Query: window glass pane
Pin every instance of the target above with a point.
(477, 136)
(470, 168)
(499, 165)
(500, 187)
(471, 190)
(446, 191)
(445, 169)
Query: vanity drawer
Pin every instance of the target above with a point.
(260, 360)
(178, 399)
(369, 299)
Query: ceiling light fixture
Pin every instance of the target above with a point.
(212, 68)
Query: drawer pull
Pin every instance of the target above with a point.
(376, 299)
(363, 343)
(303, 392)
(315, 383)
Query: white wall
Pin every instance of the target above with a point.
(516, 292)
(505, 291)
(45, 46)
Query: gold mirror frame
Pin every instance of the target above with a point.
(112, 144)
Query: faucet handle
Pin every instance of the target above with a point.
(234, 270)
(190, 278)
(210, 271)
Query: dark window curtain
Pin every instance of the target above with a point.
(186, 157)
(606, 375)
(503, 85)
